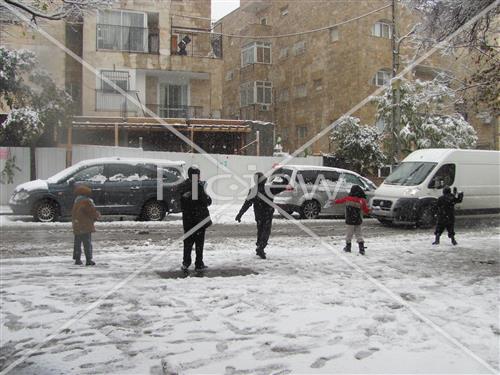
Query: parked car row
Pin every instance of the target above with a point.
(130, 187)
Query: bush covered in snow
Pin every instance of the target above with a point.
(358, 145)
(427, 116)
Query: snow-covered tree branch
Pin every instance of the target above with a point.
(358, 145)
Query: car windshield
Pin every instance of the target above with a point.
(58, 177)
(410, 173)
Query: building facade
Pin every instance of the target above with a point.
(303, 82)
(143, 69)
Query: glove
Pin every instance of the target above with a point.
(238, 218)
(460, 195)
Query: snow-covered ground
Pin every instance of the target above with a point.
(303, 310)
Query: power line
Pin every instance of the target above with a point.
(296, 33)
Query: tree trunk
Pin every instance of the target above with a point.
(32, 162)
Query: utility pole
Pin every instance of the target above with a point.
(396, 93)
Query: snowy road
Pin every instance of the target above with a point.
(304, 310)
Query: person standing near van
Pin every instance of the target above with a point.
(83, 216)
(260, 197)
(445, 209)
(355, 205)
(194, 206)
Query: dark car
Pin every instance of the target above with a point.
(120, 186)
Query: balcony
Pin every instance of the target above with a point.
(127, 38)
(187, 41)
(180, 111)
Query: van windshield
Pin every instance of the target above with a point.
(410, 173)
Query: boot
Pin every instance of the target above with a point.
(436, 241)
(90, 263)
(361, 248)
(78, 262)
(347, 247)
(453, 241)
(260, 252)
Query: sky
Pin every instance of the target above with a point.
(222, 7)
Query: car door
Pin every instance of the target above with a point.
(93, 177)
(123, 189)
(331, 179)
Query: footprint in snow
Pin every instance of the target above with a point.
(362, 354)
(384, 318)
(321, 361)
(221, 346)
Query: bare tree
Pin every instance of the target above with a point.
(56, 9)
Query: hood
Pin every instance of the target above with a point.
(33, 186)
(83, 190)
(392, 191)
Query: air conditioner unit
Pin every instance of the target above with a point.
(264, 107)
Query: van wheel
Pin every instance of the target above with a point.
(153, 211)
(426, 217)
(46, 211)
(310, 210)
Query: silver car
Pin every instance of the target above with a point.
(309, 189)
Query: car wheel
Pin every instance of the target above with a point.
(46, 211)
(153, 211)
(310, 210)
(385, 222)
(426, 217)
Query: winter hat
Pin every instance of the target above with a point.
(83, 190)
(193, 170)
(259, 178)
(357, 191)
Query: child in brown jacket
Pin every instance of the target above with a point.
(83, 216)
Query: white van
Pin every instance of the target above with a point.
(408, 195)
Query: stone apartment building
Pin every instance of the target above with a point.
(163, 54)
(304, 82)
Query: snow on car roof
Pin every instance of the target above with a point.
(316, 167)
(132, 161)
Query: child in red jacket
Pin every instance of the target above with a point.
(355, 202)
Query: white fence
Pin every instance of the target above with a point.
(223, 185)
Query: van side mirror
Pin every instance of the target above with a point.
(70, 181)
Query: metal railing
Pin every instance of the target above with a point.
(114, 101)
(177, 111)
(127, 38)
(196, 45)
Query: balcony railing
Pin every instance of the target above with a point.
(183, 111)
(127, 38)
(115, 101)
(188, 43)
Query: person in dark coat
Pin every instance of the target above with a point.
(445, 209)
(194, 206)
(83, 216)
(263, 211)
(355, 204)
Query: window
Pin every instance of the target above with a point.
(382, 78)
(307, 176)
(301, 132)
(284, 11)
(122, 172)
(334, 34)
(283, 53)
(256, 52)
(382, 29)
(229, 75)
(330, 176)
(301, 91)
(284, 95)
(94, 173)
(246, 94)
(445, 176)
(318, 84)
(258, 92)
(263, 21)
(119, 77)
(122, 31)
(264, 92)
(352, 179)
(299, 48)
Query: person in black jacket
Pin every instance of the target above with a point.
(263, 211)
(194, 206)
(445, 209)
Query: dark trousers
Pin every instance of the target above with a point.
(449, 226)
(86, 240)
(197, 239)
(263, 232)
